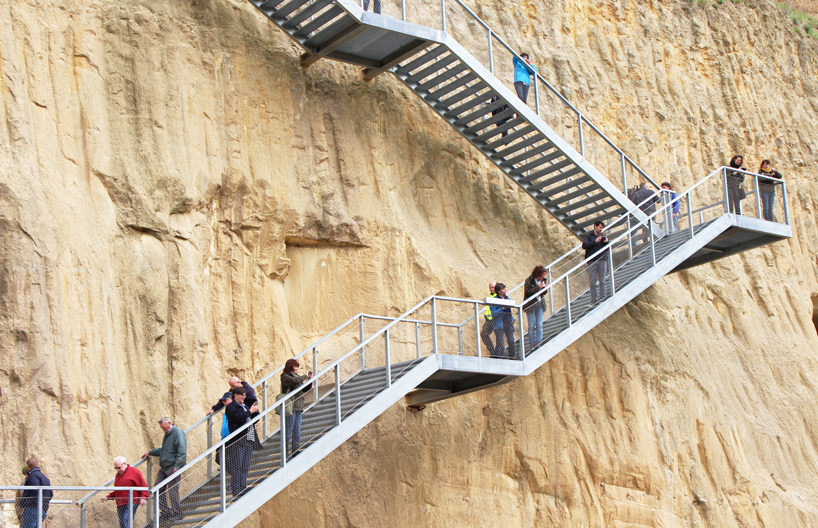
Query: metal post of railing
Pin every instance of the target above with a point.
(434, 326)
(363, 353)
(443, 16)
(83, 515)
(724, 184)
(491, 54)
(155, 503)
(581, 138)
(130, 508)
(209, 445)
(40, 508)
(315, 371)
(417, 337)
(460, 339)
(537, 95)
(282, 429)
(223, 475)
(522, 335)
(153, 510)
(477, 327)
(568, 300)
(630, 237)
(337, 394)
(611, 267)
(388, 358)
(264, 419)
(690, 215)
(624, 177)
(652, 245)
(403, 10)
(758, 197)
(786, 207)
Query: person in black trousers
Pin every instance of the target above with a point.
(240, 448)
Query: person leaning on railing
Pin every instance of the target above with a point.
(735, 192)
(767, 188)
(29, 498)
(127, 477)
(523, 71)
(172, 457)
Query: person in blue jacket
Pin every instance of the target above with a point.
(522, 76)
(29, 500)
(503, 323)
(674, 214)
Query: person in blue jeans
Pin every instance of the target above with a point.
(767, 189)
(535, 307)
(290, 381)
(673, 214)
(523, 70)
(503, 323)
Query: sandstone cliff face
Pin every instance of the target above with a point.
(181, 201)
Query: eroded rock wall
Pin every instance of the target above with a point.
(181, 201)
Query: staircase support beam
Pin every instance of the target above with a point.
(389, 62)
(332, 44)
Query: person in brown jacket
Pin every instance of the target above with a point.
(290, 381)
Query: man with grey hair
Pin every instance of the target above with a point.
(127, 477)
(172, 457)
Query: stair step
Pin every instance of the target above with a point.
(306, 13)
(318, 22)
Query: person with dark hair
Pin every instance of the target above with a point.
(127, 477)
(488, 327)
(523, 71)
(503, 323)
(767, 188)
(535, 306)
(239, 449)
(290, 381)
(172, 457)
(593, 242)
(644, 198)
(673, 206)
(235, 382)
(735, 193)
(29, 498)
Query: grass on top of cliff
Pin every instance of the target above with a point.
(803, 21)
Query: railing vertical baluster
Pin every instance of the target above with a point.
(522, 335)
(155, 503)
(209, 445)
(315, 371)
(266, 404)
(388, 358)
(363, 352)
(537, 95)
(786, 206)
(434, 326)
(652, 244)
(624, 176)
(690, 215)
(460, 339)
(282, 432)
(223, 476)
(83, 515)
(443, 16)
(611, 267)
(758, 197)
(491, 54)
(630, 236)
(581, 137)
(40, 508)
(130, 508)
(550, 291)
(417, 337)
(403, 10)
(568, 300)
(477, 327)
(153, 510)
(724, 184)
(337, 394)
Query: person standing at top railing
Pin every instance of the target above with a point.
(767, 188)
(523, 71)
(290, 381)
(673, 206)
(735, 192)
(644, 198)
(235, 382)
(593, 242)
(503, 324)
(172, 457)
(239, 449)
(29, 498)
(487, 329)
(376, 6)
(535, 308)
(127, 477)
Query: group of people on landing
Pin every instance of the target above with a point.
(766, 186)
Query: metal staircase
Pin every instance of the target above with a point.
(465, 93)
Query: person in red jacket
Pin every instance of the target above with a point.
(127, 477)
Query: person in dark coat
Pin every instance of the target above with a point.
(645, 198)
(593, 242)
(240, 448)
(767, 188)
(503, 322)
(290, 381)
(486, 329)
(28, 500)
(535, 308)
(235, 382)
(735, 194)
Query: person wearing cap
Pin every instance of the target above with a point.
(127, 477)
(235, 382)
(172, 457)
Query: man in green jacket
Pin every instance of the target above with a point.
(172, 457)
